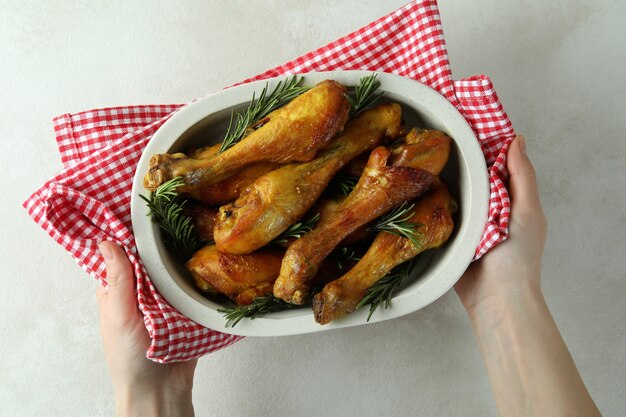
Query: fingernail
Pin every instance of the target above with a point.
(522, 144)
(106, 251)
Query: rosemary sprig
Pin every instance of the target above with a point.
(386, 288)
(260, 305)
(239, 123)
(166, 210)
(365, 94)
(342, 185)
(397, 222)
(296, 231)
(346, 254)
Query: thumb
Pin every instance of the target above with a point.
(522, 179)
(120, 292)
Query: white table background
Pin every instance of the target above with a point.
(558, 68)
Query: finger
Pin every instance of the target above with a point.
(120, 293)
(522, 178)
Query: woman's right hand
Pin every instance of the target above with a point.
(515, 264)
(531, 371)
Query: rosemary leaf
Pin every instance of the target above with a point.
(346, 254)
(365, 94)
(260, 305)
(397, 222)
(342, 185)
(296, 231)
(241, 123)
(166, 210)
(386, 288)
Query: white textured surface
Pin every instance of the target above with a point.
(558, 68)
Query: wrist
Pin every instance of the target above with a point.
(136, 401)
(499, 306)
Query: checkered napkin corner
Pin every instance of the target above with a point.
(479, 104)
(83, 134)
(89, 200)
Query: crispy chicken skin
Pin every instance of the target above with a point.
(327, 206)
(379, 189)
(291, 133)
(433, 213)
(281, 197)
(229, 189)
(425, 149)
(239, 277)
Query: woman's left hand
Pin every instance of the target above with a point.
(142, 387)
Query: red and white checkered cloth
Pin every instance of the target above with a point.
(89, 200)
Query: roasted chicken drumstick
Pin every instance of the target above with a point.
(244, 277)
(379, 189)
(432, 214)
(229, 189)
(240, 277)
(281, 197)
(293, 132)
(425, 149)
